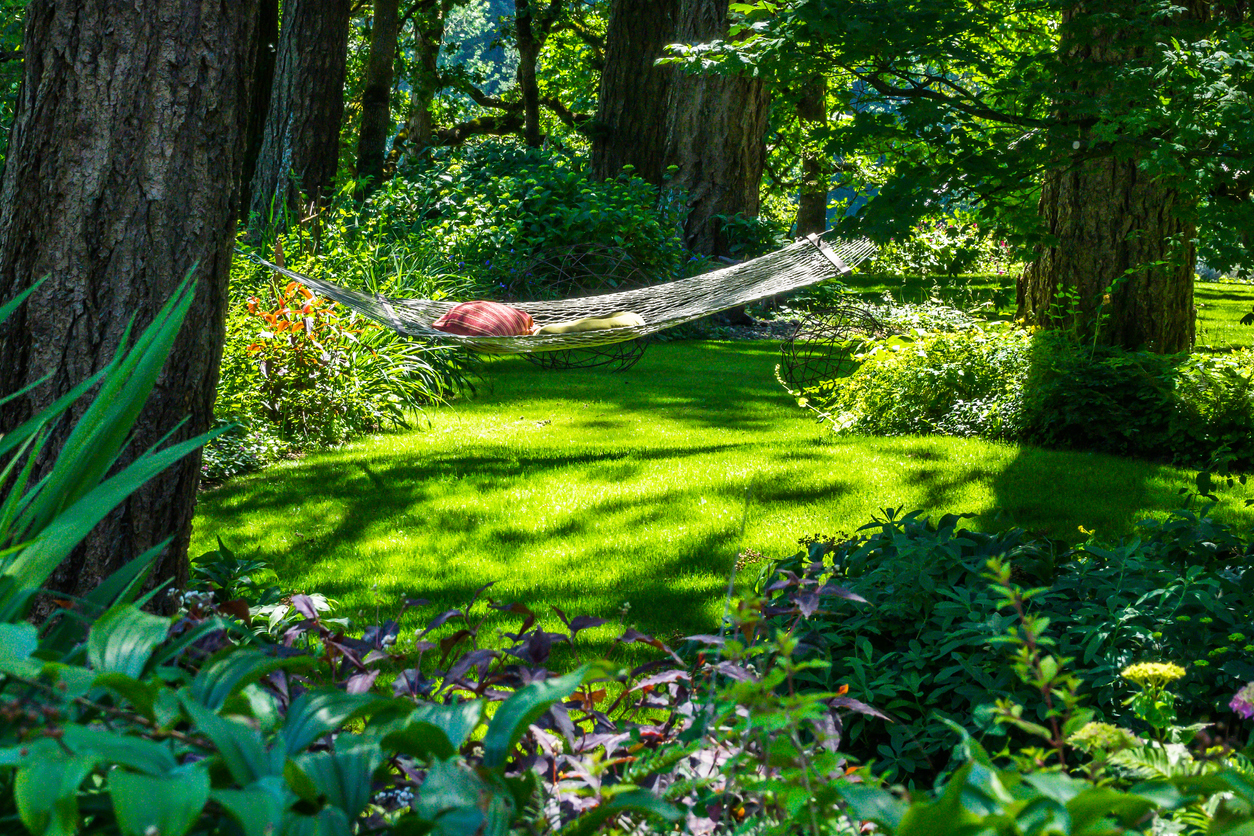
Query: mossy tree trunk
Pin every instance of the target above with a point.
(122, 177)
(815, 176)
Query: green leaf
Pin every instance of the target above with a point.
(230, 670)
(450, 787)
(315, 713)
(873, 804)
(522, 709)
(642, 802)
(141, 695)
(257, 809)
(1093, 805)
(46, 792)
(343, 777)
(239, 746)
(122, 640)
(167, 805)
(17, 643)
(435, 731)
(110, 748)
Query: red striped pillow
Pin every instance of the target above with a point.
(486, 319)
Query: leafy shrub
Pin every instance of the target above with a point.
(925, 649)
(966, 383)
(951, 246)
(497, 204)
(1043, 389)
(318, 375)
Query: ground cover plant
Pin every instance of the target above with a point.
(602, 492)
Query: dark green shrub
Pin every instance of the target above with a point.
(1044, 389)
(926, 647)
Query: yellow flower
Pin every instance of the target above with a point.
(1152, 673)
(1103, 737)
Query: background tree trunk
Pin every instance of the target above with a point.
(376, 116)
(429, 20)
(267, 45)
(632, 106)
(716, 135)
(300, 152)
(123, 175)
(1110, 221)
(528, 55)
(1121, 270)
(815, 176)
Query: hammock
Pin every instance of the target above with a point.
(808, 261)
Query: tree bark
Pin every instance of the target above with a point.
(376, 116)
(1121, 269)
(267, 44)
(715, 136)
(631, 120)
(300, 152)
(429, 20)
(528, 55)
(815, 176)
(122, 177)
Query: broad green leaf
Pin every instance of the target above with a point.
(239, 746)
(641, 802)
(167, 805)
(17, 643)
(315, 713)
(449, 786)
(873, 804)
(1095, 804)
(123, 638)
(328, 822)
(343, 776)
(46, 792)
(257, 809)
(518, 712)
(141, 695)
(230, 670)
(110, 748)
(434, 731)
(944, 815)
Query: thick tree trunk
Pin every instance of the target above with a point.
(376, 117)
(267, 42)
(123, 176)
(631, 111)
(300, 152)
(429, 37)
(716, 136)
(1122, 270)
(528, 55)
(815, 177)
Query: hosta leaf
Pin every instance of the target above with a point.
(230, 670)
(17, 643)
(167, 805)
(316, 713)
(122, 640)
(46, 792)
(257, 809)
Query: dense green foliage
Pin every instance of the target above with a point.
(1006, 384)
(925, 646)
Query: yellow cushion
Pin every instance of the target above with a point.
(622, 319)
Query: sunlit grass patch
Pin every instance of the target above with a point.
(629, 496)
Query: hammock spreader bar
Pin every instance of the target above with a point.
(808, 261)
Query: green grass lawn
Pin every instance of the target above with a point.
(1219, 311)
(590, 491)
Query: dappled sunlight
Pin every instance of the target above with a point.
(593, 492)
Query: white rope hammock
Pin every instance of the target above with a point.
(808, 261)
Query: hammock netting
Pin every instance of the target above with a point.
(809, 261)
